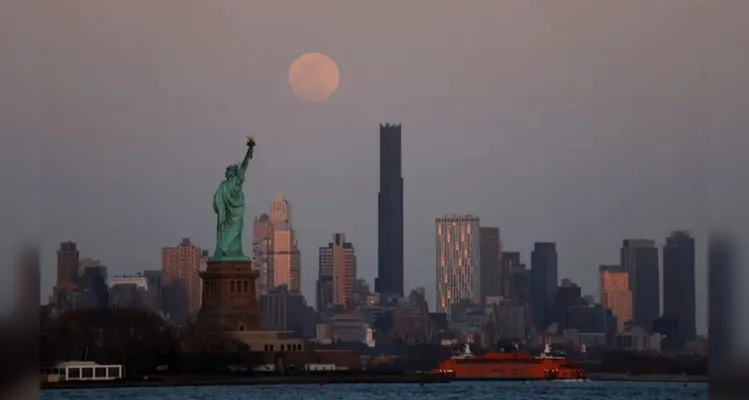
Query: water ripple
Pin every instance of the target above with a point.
(449, 391)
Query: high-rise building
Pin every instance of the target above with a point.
(262, 252)
(128, 291)
(519, 287)
(544, 281)
(615, 294)
(68, 264)
(93, 285)
(153, 279)
(569, 294)
(679, 302)
(286, 258)
(181, 284)
(511, 321)
(507, 263)
(282, 310)
(338, 261)
(389, 282)
(458, 252)
(325, 281)
(489, 263)
(723, 304)
(639, 259)
(280, 211)
(86, 262)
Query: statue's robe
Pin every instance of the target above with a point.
(228, 203)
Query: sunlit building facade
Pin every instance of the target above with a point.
(615, 294)
(457, 261)
(337, 266)
(280, 211)
(262, 253)
(180, 279)
(286, 259)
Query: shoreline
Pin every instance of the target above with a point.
(176, 381)
(223, 380)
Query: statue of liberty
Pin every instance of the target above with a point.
(228, 204)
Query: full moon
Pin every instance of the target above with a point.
(314, 77)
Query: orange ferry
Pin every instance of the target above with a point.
(510, 365)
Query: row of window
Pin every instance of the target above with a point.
(81, 373)
(235, 286)
(500, 361)
(288, 347)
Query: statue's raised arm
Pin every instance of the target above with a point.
(248, 155)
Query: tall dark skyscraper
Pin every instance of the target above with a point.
(68, 260)
(639, 258)
(679, 284)
(389, 280)
(490, 283)
(544, 281)
(507, 263)
(723, 302)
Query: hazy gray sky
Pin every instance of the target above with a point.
(580, 122)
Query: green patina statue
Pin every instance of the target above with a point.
(228, 204)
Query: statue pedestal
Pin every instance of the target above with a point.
(230, 302)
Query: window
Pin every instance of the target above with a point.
(233, 287)
(74, 373)
(100, 372)
(114, 372)
(281, 347)
(87, 372)
(246, 287)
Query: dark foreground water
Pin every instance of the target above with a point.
(444, 391)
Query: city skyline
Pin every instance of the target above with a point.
(460, 240)
(549, 132)
(473, 293)
(463, 272)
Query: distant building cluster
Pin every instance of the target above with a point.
(484, 293)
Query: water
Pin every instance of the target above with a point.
(447, 391)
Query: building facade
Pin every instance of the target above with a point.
(68, 264)
(639, 259)
(337, 274)
(489, 263)
(282, 310)
(287, 268)
(280, 211)
(389, 281)
(128, 291)
(181, 283)
(325, 281)
(569, 294)
(153, 278)
(507, 262)
(457, 261)
(262, 252)
(615, 294)
(519, 290)
(93, 284)
(543, 283)
(679, 298)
